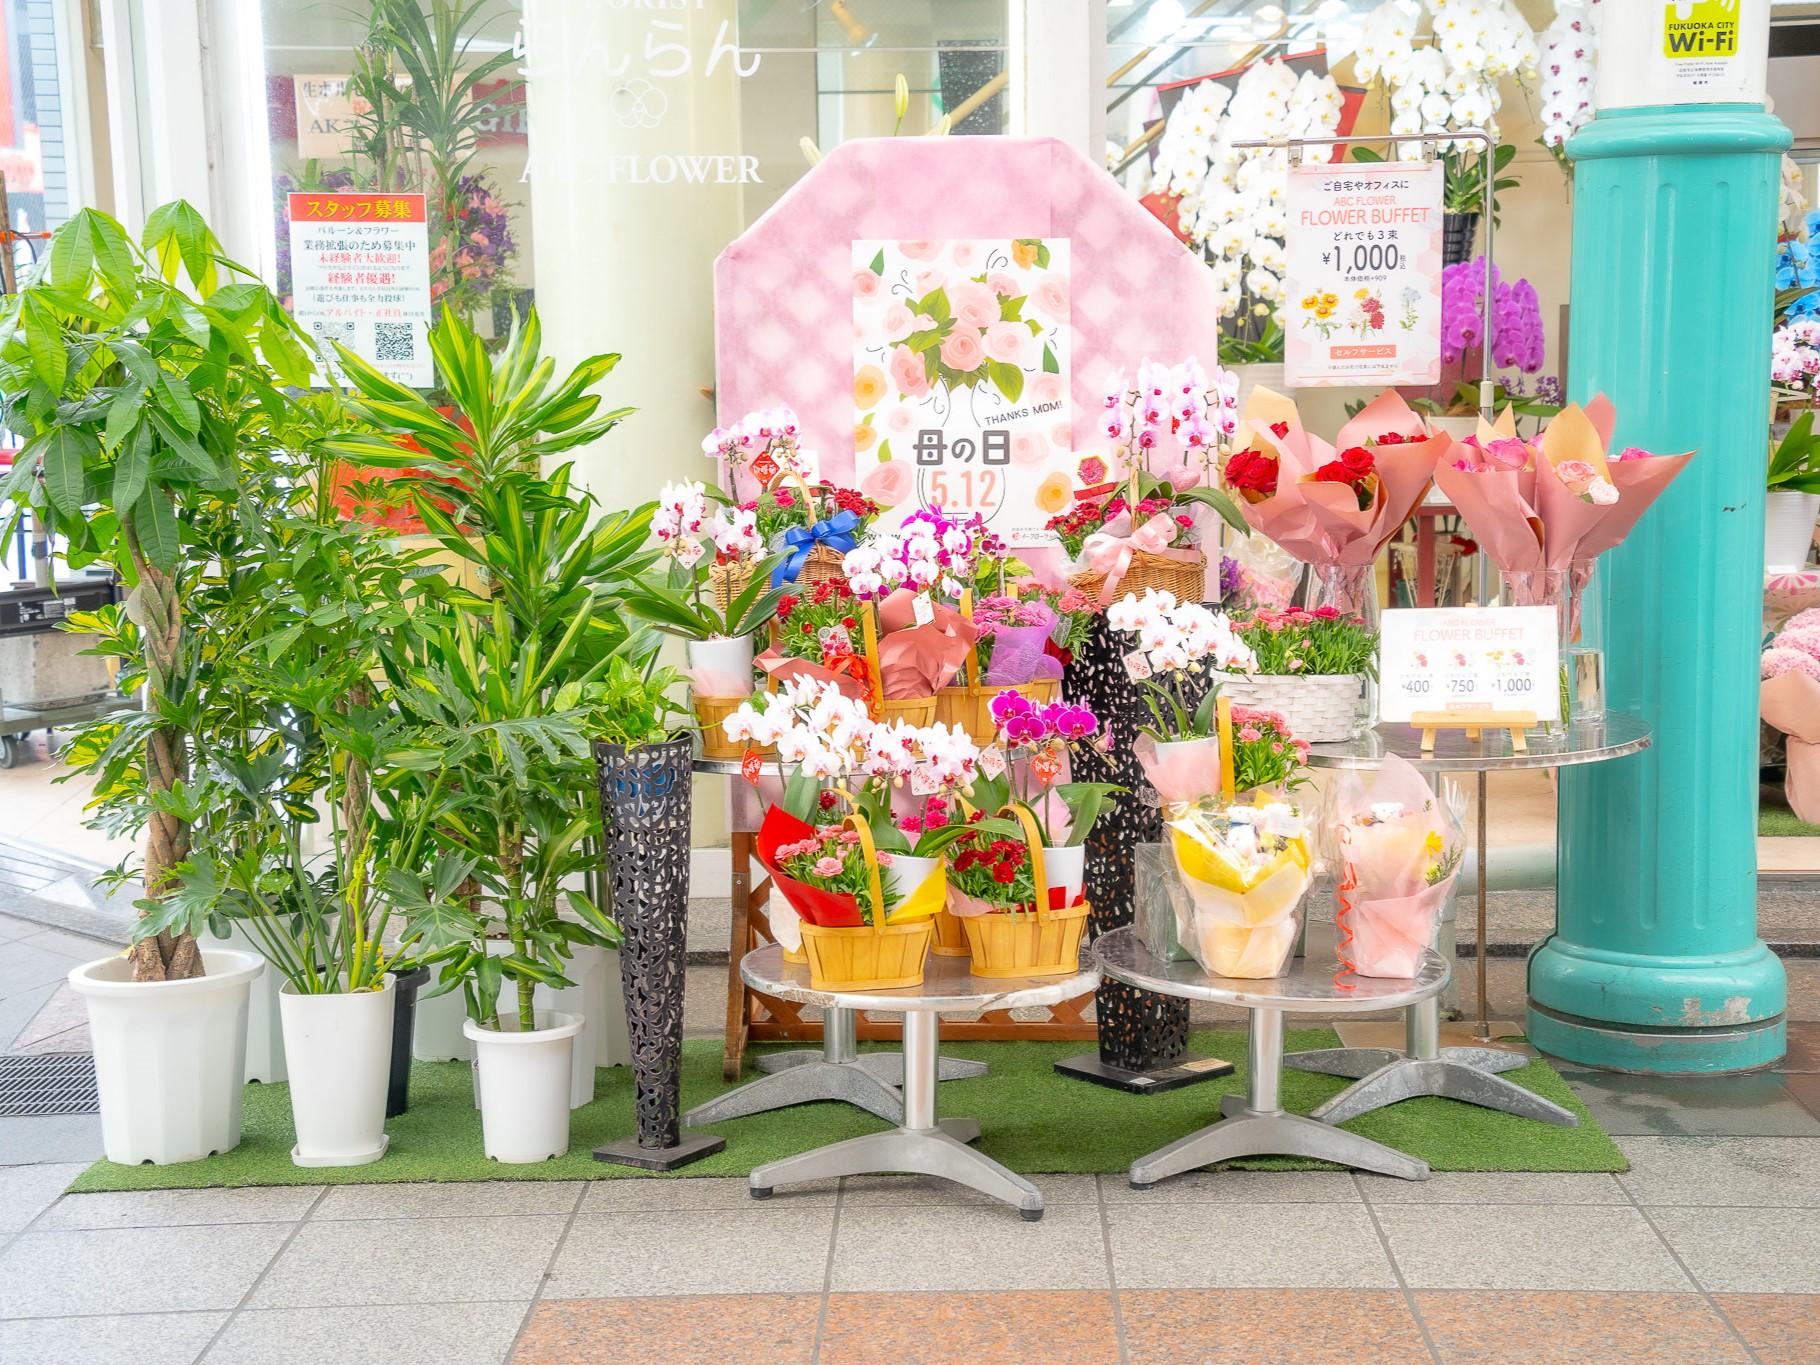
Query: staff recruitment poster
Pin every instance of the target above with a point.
(960, 383)
(1362, 295)
(360, 275)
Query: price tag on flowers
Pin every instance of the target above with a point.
(1469, 659)
(1363, 289)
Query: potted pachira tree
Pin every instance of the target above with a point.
(136, 374)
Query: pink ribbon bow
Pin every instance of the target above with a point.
(1109, 549)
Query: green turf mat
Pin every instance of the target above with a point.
(1779, 822)
(1031, 1118)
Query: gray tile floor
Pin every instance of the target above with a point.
(449, 1273)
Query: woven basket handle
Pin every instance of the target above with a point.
(868, 620)
(1033, 840)
(858, 824)
(1223, 708)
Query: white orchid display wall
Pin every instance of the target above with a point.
(1231, 200)
(1450, 79)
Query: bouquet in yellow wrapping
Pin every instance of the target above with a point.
(1245, 869)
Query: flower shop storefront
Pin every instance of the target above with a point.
(1071, 603)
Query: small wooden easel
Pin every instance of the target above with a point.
(1474, 723)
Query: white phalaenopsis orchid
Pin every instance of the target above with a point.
(1231, 199)
(1179, 635)
(1570, 48)
(735, 532)
(682, 511)
(1448, 78)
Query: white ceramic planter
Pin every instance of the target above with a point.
(1066, 868)
(729, 656)
(615, 1037)
(436, 1036)
(1788, 530)
(170, 1056)
(264, 1035)
(340, 1050)
(524, 1085)
(907, 873)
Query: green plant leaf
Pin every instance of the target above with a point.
(1008, 378)
(155, 524)
(66, 455)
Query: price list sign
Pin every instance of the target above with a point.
(1470, 659)
(1362, 295)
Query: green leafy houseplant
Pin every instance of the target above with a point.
(423, 97)
(509, 684)
(678, 608)
(1794, 460)
(138, 374)
(1465, 176)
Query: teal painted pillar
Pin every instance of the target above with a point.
(1655, 964)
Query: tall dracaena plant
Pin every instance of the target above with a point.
(519, 674)
(416, 81)
(137, 374)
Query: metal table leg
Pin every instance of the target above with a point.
(839, 1071)
(921, 1146)
(1257, 1125)
(1459, 1073)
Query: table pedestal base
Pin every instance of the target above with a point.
(1244, 1131)
(921, 1146)
(839, 1071)
(1256, 1124)
(1386, 1076)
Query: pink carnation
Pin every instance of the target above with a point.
(1776, 662)
(828, 867)
(1805, 638)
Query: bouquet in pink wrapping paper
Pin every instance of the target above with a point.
(1399, 849)
(1333, 504)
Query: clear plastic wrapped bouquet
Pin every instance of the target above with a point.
(1399, 847)
(1245, 869)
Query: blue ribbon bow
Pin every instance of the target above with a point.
(836, 533)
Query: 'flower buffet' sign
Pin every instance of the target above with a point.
(1363, 290)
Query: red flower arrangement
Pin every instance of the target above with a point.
(1356, 467)
(1252, 475)
(822, 626)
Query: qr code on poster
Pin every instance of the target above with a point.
(394, 341)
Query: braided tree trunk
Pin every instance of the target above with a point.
(1139, 1030)
(155, 609)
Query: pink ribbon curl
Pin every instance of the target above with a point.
(1109, 551)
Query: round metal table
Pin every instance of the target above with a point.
(1424, 1067)
(921, 1144)
(1256, 1124)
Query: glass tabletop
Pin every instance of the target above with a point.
(1613, 736)
(1309, 986)
(948, 986)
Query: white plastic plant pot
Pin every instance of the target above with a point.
(1066, 868)
(585, 967)
(436, 1035)
(340, 1051)
(524, 1081)
(170, 1056)
(1788, 530)
(264, 1035)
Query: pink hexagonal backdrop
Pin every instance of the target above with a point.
(783, 290)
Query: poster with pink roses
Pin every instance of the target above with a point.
(960, 381)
